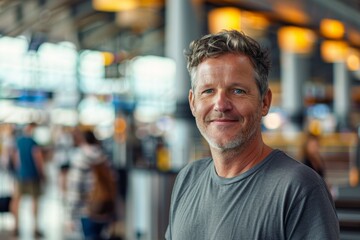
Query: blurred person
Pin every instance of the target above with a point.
(311, 153)
(246, 189)
(63, 145)
(30, 175)
(74, 182)
(87, 168)
(8, 150)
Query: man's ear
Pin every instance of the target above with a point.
(191, 101)
(266, 102)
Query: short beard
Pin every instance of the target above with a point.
(239, 142)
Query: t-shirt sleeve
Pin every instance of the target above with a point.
(313, 216)
(175, 192)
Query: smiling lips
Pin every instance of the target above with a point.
(223, 121)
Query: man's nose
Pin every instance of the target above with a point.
(222, 102)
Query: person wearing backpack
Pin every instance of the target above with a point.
(92, 188)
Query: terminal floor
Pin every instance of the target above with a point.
(52, 215)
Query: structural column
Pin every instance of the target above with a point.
(294, 72)
(183, 24)
(342, 94)
(296, 44)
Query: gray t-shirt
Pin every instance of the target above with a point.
(280, 198)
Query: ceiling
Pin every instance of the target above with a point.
(305, 13)
(142, 30)
(78, 22)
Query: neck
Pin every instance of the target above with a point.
(230, 163)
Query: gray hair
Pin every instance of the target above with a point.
(229, 41)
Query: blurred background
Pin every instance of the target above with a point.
(117, 67)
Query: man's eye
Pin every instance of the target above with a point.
(239, 91)
(207, 91)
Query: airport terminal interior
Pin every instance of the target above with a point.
(116, 68)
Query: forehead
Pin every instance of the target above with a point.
(226, 67)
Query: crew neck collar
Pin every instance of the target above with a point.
(224, 181)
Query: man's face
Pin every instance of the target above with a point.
(226, 102)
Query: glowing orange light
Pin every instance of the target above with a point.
(254, 20)
(114, 5)
(291, 11)
(353, 60)
(296, 40)
(124, 5)
(224, 18)
(334, 51)
(332, 28)
(108, 58)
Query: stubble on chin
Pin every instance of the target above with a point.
(238, 141)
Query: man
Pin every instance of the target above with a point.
(246, 190)
(30, 174)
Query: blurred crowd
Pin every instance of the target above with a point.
(86, 178)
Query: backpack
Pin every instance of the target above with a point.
(102, 195)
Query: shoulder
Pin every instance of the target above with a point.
(25, 140)
(191, 173)
(305, 197)
(295, 183)
(194, 169)
(288, 166)
(287, 172)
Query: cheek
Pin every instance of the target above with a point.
(245, 109)
(250, 111)
(196, 110)
(198, 106)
